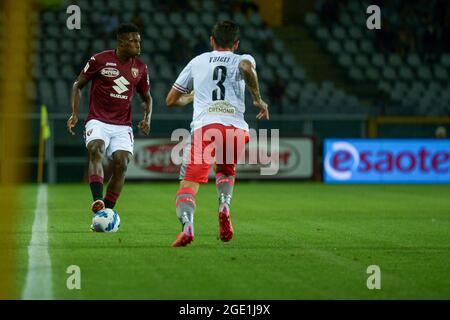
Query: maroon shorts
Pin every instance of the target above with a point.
(213, 144)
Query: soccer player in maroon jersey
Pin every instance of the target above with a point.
(116, 75)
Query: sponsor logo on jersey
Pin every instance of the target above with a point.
(110, 72)
(134, 72)
(121, 85)
(111, 64)
(221, 107)
(88, 133)
(119, 96)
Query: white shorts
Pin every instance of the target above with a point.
(115, 137)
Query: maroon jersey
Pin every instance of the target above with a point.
(113, 86)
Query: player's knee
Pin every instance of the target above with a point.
(189, 184)
(96, 152)
(121, 163)
(228, 170)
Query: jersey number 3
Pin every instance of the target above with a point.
(219, 94)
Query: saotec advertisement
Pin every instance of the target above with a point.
(387, 161)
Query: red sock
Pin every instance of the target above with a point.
(111, 199)
(96, 184)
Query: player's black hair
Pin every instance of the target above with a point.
(126, 28)
(225, 33)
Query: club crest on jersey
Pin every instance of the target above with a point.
(110, 72)
(134, 72)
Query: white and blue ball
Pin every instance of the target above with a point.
(106, 220)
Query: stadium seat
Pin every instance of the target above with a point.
(160, 19)
(167, 32)
(424, 73)
(350, 46)
(208, 19)
(367, 46)
(240, 19)
(323, 34)
(299, 74)
(345, 60)
(355, 33)
(345, 19)
(372, 73)
(394, 60)
(356, 74)
(46, 93)
(413, 60)
(378, 60)
(311, 19)
(339, 33)
(445, 60)
(176, 19)
(440, 73)
(406, 73)
(362, 61)
(192, 18)
(334, 46)
(288, 60)
(256, 19)
(272, 60)
(389, 73)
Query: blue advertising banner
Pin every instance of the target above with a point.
(386, 161)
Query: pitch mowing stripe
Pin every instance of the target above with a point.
(38, 284)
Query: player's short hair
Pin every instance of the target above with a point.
(126, 28)
(225, 33)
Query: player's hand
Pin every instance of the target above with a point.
(263, 109)
(144, 126)
(71, 123)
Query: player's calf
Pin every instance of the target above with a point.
(185, 208)
(224, 185)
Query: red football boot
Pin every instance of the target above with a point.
(97, 205)
(184, 238)
(226, 229)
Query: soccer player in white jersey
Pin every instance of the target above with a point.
(216, 82)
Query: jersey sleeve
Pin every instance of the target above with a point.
(92, 67)
(249, 58)
(143, 85)
(184, 82)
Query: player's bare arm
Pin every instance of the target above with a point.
(75, 102)
(147, 105)
(176, 98)
(251, 80)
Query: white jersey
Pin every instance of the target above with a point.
(219, 88)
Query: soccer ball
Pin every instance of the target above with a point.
(106, 220)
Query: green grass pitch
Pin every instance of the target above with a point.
(292, 240)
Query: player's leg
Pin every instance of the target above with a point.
(226, 176)
(185, 208)
(96, 144)
(119, 164)
(120, 152)
(192, 173)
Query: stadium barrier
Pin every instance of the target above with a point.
(154, 159)
(65, 158)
